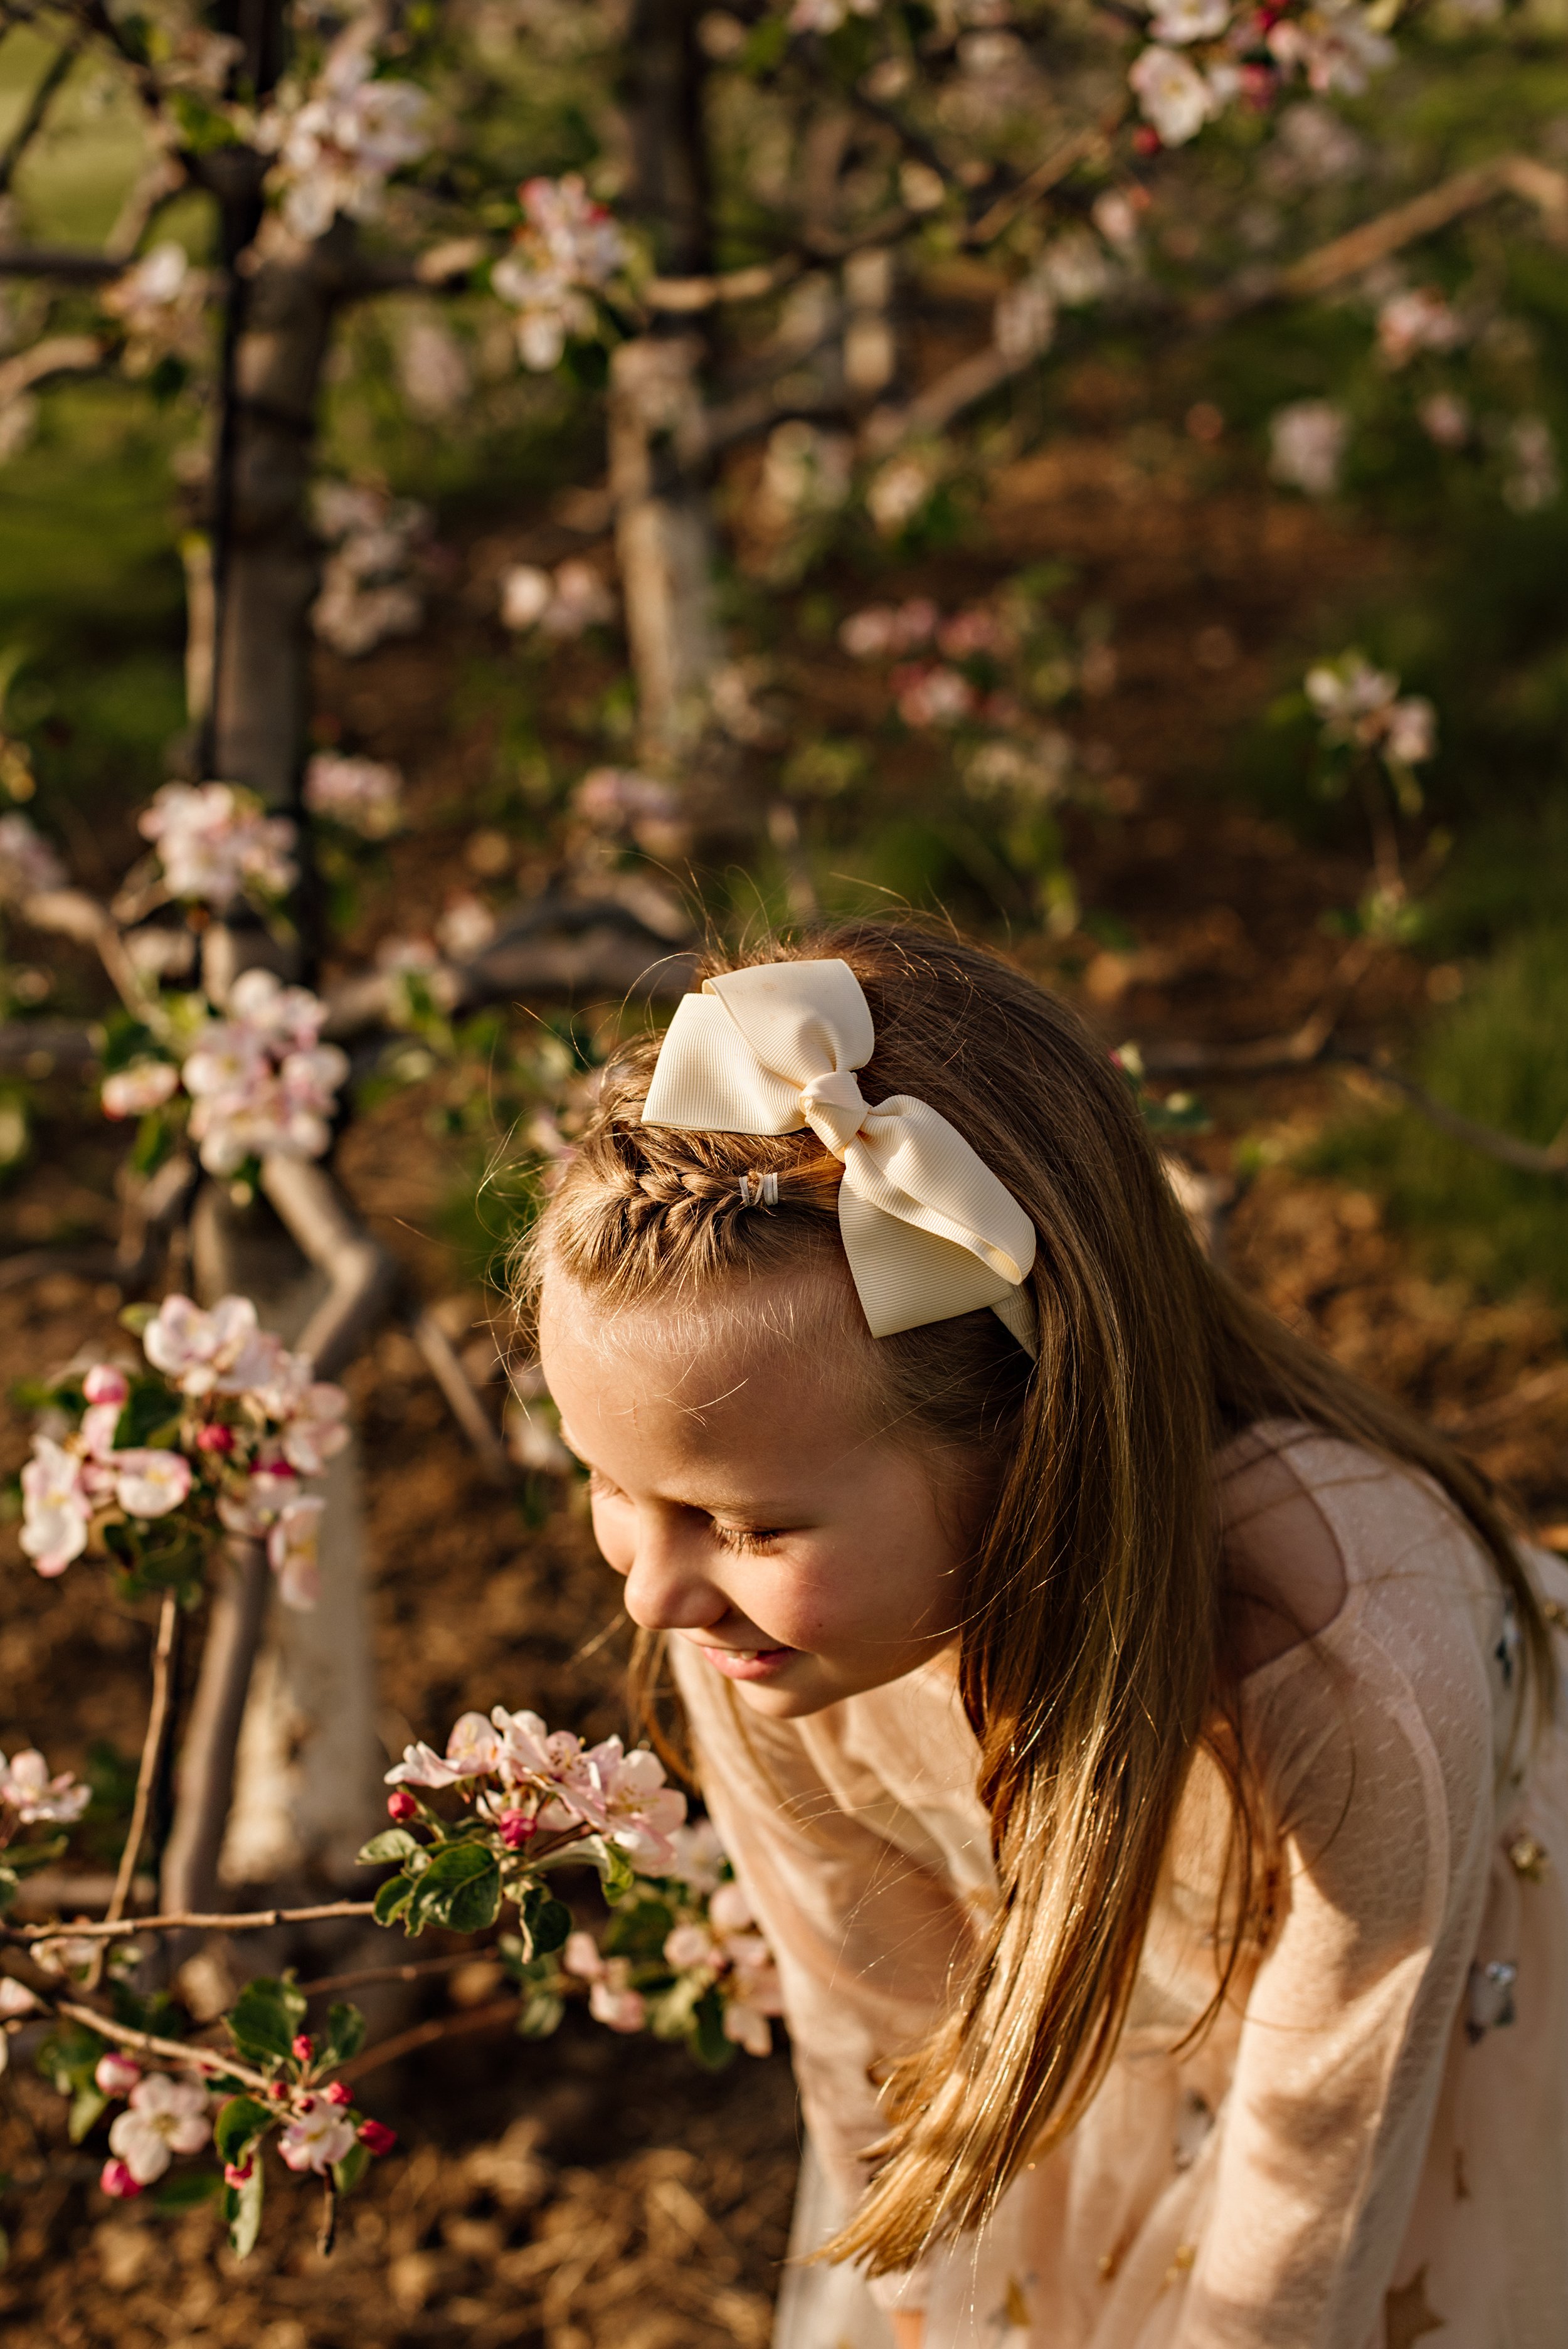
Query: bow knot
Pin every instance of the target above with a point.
(928, 1230)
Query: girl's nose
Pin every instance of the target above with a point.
(667, 1586)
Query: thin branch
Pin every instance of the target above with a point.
(1042, 180)
(360, 1271)
(147, 1775)
(206, 1770)
(190, 1920)
(147, 2043)
(71, 264)
(445, 1366)
(1527, 1157)
(683, 295)
(498, 2016)
(56, 355)
(413, 1971)
(38, 108)
(73, 914)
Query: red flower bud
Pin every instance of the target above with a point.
(516, 1828)
(214, 1437)
(338, 2092)
(239, 2173)
(400, 1805)
(279, 2091)
(116, 2180)
(1146, 139)
(376, 2136)
(303, 2048)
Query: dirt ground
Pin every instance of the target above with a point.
(589, 2193)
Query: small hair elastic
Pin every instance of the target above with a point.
(929, 1230)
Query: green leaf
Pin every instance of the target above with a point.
(639, 1929)
(706, 2038)
(475, 1905)
(68, 2057)
(392, 1843)
(266, 2017)
(615, 1870)
(461, 1887)
(242, 2213)
(36, 1855)
(539, 2015)
(85, 2106)
(347, 2173)
(187, 2188)
(9, 1887)
(344, 2032)
(239, 2124)
(392, 1900)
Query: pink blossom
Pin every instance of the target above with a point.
(116, 2179)
(747, 2023)
(28, 865)
(203, 1353)
(867, 635)
(475, 1745)
(338, 2092)
(15, 1999)
(364, 794)
(1418, 320)
(145, 1085)
(697, 1855)
(216, 841)
(56, 1510)
(977, 630)
(27, 1788)
(96, 1435)
(375, 2136)
(164, 2116)
(239, 2173)
(303, 2047)
(116, 2074)
(618, 798)
(616, 2004)
(689, 1945)
(150, 1483)
(465, 928)
(1332, 45)
(566, 249)
(1307, 445)
(518, 1828)
(105, 1383)
(933, 696)
(216, 1436)
(316, 2137)
(422, 1766)
(338, 142)
(1172, 94)
(318, 1430)
(1445, 419)
(293, 1552)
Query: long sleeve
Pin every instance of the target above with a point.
(1379, 1759)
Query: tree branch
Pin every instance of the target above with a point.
(189, 1921)
(441, 1360)
(163, 1654)
(56, 355)
(73, 914)
(38, 108)
(147, 2043)
(71, 263)
(499, 2016)
(189, 1876)
(360, 1271)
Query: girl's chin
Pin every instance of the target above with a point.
(755, 1665)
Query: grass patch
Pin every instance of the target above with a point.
(1498, 1057)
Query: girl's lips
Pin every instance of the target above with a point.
(747, 1663)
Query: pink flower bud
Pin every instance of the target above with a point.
(400, 1805)
(339, 2093)
(104, 1383)
(239, 2173)
(376, 2136)
(516, 1828)
(116, 2074)
(279, 2091)
(214, 1437)
(116, 2179)
(303, 2048)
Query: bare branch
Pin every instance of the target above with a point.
(72, 264)
(56, 355)
(73, 914)
(36, 109)
(1045, 176)
(1527, 1157)
(164, 179)
(190, 1920)
(147, 2043)
(442, 1362)
(414, 1971)
(682, 295)
(147, 1775)
(499, 2016)
(361, 1273)
(212, 1736)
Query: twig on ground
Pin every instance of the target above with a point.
(445, 1366)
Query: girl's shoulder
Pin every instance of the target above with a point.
(1317, 1530)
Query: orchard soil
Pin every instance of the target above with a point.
(592, 2192)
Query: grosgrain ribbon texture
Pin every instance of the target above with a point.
(928, 1229)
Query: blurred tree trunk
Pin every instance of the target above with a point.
(659, 480)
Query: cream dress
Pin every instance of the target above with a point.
(1370, 2145)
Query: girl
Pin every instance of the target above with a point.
(1135, 1738)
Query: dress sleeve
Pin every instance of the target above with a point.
(1375, 1749)
(864, 1936)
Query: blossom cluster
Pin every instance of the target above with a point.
(30, 1796)
(1361, 708)
(260, 1079)
(364, 795)
(565, 249)
(338, 141)
(160, 303)
(216, 843)
(613, 800)
(715, 1948)
(1203, 54)
(368, 594)
(240, 1421)
(955, 683)
(560, 603)
(548, 1782)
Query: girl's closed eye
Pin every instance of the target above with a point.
(743, 1538)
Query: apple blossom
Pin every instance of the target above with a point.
(933, 696)
(316, 2137)
(145, 1085)
(338, 2092)
(1445, 419)
(216, 841)
(55, 1512)
(150, 1483)
(1307, 445)
(117, 2073)
(366, 795)
(303, 2048)
(612, 798)
(28, 865)
(164, 2116)
(611, 1998)
(465, 928)
(422, 1766)
(205, 1352)
(566, 249)
(240, 2173)
(1172, 94)
(105, 1383)
(15, 1999)
(27, 1788)
(518, 1828)
(1534, 478)
(1416, 320)
(339, 141)
(689, 1945)
(317, 1431)
(116, 2177)
(697, 1855)
(294, 1551)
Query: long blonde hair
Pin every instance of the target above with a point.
(1095, 1649)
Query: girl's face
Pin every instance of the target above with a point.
(738, 1489)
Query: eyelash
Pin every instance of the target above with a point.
(740, 1539)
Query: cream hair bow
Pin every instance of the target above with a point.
(928, 1229)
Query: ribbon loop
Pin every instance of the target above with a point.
(928, 1230)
